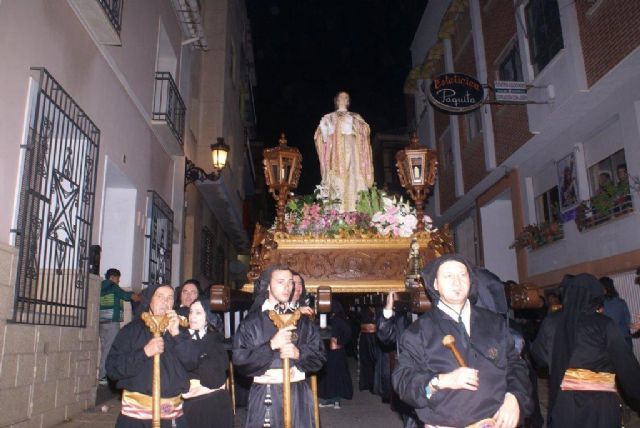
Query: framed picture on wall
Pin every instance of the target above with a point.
(567, 182)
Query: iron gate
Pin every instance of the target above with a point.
(55, 216)
(159, 240)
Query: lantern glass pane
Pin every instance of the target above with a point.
(275, 174)
(218, 158)
(417, 170)
(286, 170)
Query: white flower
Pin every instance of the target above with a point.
(410, 221)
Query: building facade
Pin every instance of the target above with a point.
(103, 102)
(564, 164)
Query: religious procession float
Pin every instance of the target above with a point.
(349, 235)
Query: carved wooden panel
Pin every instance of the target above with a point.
(349, 264)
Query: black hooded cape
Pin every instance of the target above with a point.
(132, 369)
(579, 337)
(489, 349)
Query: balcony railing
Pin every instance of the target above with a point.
(168, 105)
(601, 209)
(102, 18)
(113, 10)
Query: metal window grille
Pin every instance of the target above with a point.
(544, 32)
(207, 252)
(168, 105)
(113, 10)
(159, 240)
(55, 216)
(218, 265)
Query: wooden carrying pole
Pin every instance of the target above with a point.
(281, 321)
(157, 325)
(314, 392)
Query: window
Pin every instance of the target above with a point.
(609, 173)
(548, 206)
(511, 66)
(610, 192)
(473, 122)
(543, 31)
(55, 217)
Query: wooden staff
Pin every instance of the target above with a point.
(281, 321)
(232, 387)
(157, 325)
(314, 392)
(450, 342)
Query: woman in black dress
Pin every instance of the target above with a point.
(207, 404)
(587, 358)
(334, 380)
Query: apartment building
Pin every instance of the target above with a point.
(555, 164)
(103, 102)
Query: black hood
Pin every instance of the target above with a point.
(147, 294)
(430, 271)
(490, 291)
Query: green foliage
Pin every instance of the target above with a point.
(369, 201)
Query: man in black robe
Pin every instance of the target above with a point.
(259, 347)
(494, 384)
(576, 342)
(130, 363)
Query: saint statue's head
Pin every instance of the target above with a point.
(342, 100)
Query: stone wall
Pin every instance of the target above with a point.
(47, 373)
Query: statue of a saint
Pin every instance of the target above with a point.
(342, 142)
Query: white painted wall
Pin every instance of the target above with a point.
(612, 122)
(497, 234)
(118, 231)
(113, 85)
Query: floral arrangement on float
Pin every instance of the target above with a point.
(376, 214)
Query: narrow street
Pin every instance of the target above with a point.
(364, 410)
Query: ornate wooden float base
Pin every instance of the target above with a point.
(361, 264)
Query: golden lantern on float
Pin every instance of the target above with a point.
(417, 169)
(282, 168)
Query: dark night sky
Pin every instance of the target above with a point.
(308, 50)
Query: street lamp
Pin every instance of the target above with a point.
(282, 167)
(417, 168)
(219, 154)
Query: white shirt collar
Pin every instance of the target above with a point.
(201, 332)
(465, 314)
(268, 306)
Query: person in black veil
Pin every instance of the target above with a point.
(368, 351)
(259, 347)
(586, 353)
(494, 384)
(130, 363)
(334, 380)
(491, 296)
(207, 404)
(186, 294)
(299, 298)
